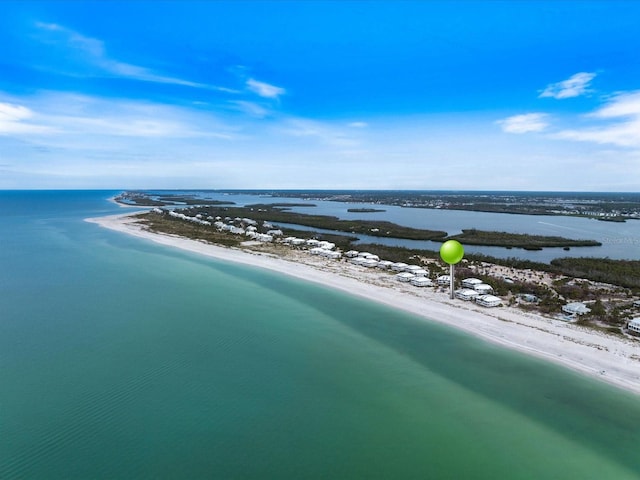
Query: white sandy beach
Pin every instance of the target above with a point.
(608, 358)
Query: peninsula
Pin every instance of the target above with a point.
(599, 350)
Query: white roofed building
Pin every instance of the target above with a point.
(384, 264)
(405, 277)
(398, 266)
(483, 289)
(420, 272)
(411, 268)
(488, 301)
(471, 282)
(421, 282)
(634, 326)
(443, 280)
(576, 308)
(466, 294)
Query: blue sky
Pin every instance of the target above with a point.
(470, 95)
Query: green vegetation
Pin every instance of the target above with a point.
(166, 224)
(365, 210)
(504, 239)
(140, 200)
(601, 206)
(143, 199)
(625, 273)
(292, 204)
(276, 215)
(192, 201)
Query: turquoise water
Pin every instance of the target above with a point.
(123, 359)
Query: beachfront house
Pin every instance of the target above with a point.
(405, 277)
(420, 272)
(634, 326)
(443, 280)
(471, 282)
(636, 303)
(421, 282)
(384, 264)
(466, 294)
(413, 268)
(351, 254)
(483, 288)
(575, 308)
(488, 301)
(398, 266)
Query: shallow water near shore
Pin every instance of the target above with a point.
(123, 359)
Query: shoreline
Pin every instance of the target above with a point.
(615, 361)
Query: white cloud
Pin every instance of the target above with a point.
(621, 127)
(621, 105)
(13, 120)
(81, 116)
(574, 86)
(528, 122)
(250, 108)
(92, 52)
(358, 124)
(264, 89)
(324, 132)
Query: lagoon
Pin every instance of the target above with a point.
(619, 240)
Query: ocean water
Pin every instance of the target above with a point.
(123, 359)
